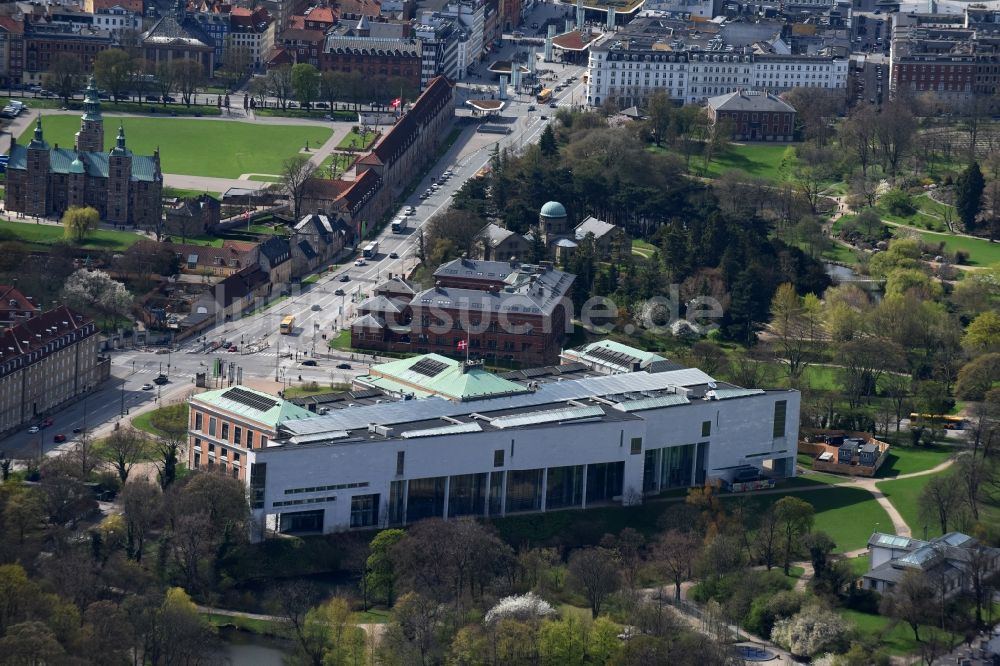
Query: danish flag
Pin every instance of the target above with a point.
(462, 344)
(396, 102)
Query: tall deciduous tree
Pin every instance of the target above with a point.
(142, 503)
(79, 221)
(97, 291)
(113, 70)
(171, 425)
(795, 516)
(64, 76)
(189, 75)
(675, 553)
(796, 322)
(279, 84)
(295, 174)
(594, 574)
(910, 600)
(123, 448)
(380, 571)
(305, 83)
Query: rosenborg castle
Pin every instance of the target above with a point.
(430, 436)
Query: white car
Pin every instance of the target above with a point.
(33, 430)
(410, 210)
(147, 387)
(360, 262)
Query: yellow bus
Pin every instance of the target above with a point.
(947, 421)
(545, 95)
(287, 324)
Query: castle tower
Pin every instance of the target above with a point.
(553, 222)
(119, 181)
(90, 138)
(37, 180)
(76, 194)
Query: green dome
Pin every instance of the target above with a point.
(76, 166)
(553, 209)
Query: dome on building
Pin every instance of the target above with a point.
(553, 209)
(76, 166)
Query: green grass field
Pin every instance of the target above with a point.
(356, 141)
(222, 149)
(909, 459)
(144, 422)
(643, 249)
(981, 251)
(764, 160)
(343, 161)
(896, 638)
(903, 494)
(42, 235)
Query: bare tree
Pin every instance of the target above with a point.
(166, 80)
(142, 503)
(123, 449)
(909, 600)
(171, 424)
(64, 76)
(85, 456)
(189, 75)
(675, 553)
(295, 174)
(279, 84)
(592, 571)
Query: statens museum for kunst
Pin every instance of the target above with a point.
(45, 180)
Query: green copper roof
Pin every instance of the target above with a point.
(644, 356)
(38, 141)
(120, 148)
(94, 164)
(92, 102)
(255, 405)
(553, 209)
(432, 374)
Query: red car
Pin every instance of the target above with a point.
(46, 423)
(234, 348)
(59, 438)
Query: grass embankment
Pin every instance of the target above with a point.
(222, 149)
(357, 141)
(40, 237)
(144, 421)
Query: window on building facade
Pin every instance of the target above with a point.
(780, 411)
(211, 426)
(498, 458)
(636, 446)
(706, 428)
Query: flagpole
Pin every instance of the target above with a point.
(466, 346)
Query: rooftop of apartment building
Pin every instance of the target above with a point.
(35, 338)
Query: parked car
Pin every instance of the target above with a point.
(553, 105)
(147, 387)
(33, 430)
(343, 366)
(77, 431)
(153, 98)
(59, 438)
(234, 348)
(310, 363)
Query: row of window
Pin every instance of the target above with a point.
(308, 500)
(319, 489)
(223, 430)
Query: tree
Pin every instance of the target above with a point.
(909, 600)
(185, 636)
(142, 504)
(166, 79)
(189, 75)
(969, 188)
(113, 70)
(547, 142)
(295, 173)
(796, 323)
(123, 448)
(64, 76)
(977, 376)
(983, 333)
(23, 511)
(563, 642)
(96, 290)
(812, 631)
(380, 571)
(30, 643)
(171, 422)
(594, 574)
(279, 84)
(864, 361)
(795, 516)
(659, 113)
(79, 221)
(676, 552)
(331, 85)
(305, 83)
(329, 636)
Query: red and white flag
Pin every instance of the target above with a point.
(396, 102)
(462, 344)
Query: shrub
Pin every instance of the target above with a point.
(898, 202)
(520, 607)
(813, 631)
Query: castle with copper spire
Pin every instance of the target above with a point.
(45, 180)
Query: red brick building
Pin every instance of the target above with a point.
(11, 50)
(503, 311)
(42, 43)
(754, 115)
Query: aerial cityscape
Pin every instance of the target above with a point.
(499, 332)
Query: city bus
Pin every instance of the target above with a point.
(946, 421)
(545, 95)
(287, 324)
(399, 225)
(370, 250)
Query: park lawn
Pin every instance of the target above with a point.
(181, 193)
(343, 161)
(264, 178)
(50, 234)
(919, 219)
(981, 251)
(144, 421)
(372, 616)
(343, 341)
(895, 637)
(356, 141)
(643, 248)
(841, 254)
(764, 160)
(904, 494)
(909, 459)
(223, 149)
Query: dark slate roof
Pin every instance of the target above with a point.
(240, 284)
(95, 164)
(307, 249)
(276, 249)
